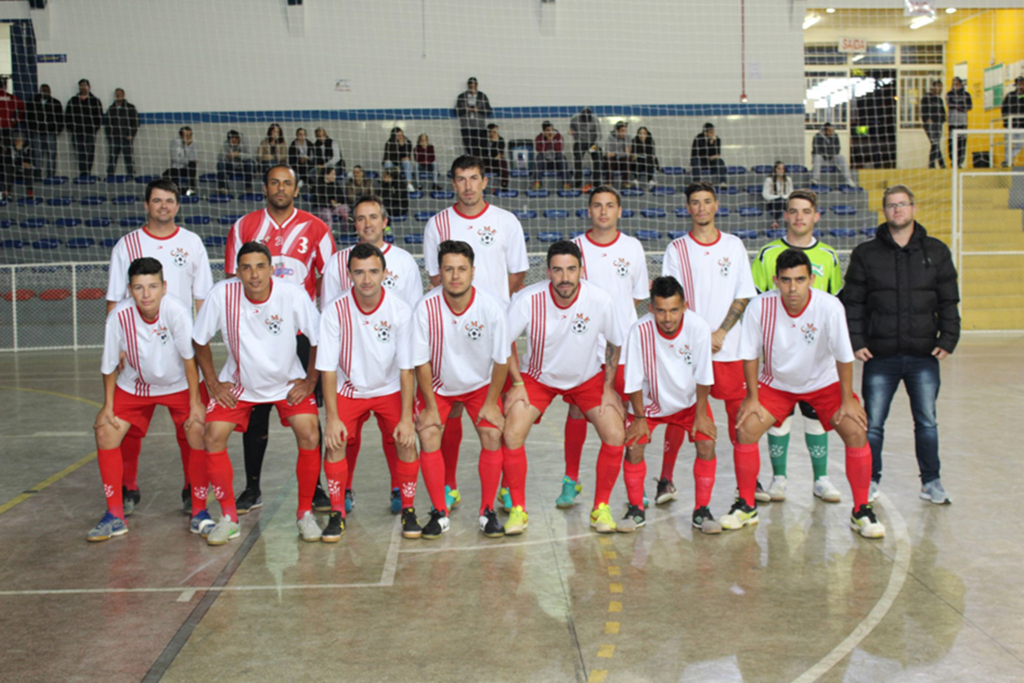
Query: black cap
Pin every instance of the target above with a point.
(621, 124)
(472, 79)
(546, 124)
(709, 126)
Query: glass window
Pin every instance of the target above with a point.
(878, 53)
(921, 53)
(913, 85)
(819, 55)
(827, 96)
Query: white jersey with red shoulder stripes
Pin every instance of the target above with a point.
(668, 369)
(260, 336)
(800, 351)
(182, 254)
(153, 350)
(299, 247)
(564, 345)
(619, 268)
(402, 276)
(462, 348)
(713, 276)
(368, 349)
(496, 236)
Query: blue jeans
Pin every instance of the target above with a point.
(45, 146)
(920, 376)
(406, 169)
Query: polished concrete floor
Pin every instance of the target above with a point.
(798, 597)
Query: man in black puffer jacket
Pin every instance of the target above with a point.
(901, 298)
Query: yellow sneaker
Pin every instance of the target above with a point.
(601, 519)
(452, 497)
(517, 521)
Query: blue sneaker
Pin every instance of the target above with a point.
(107, 528)
(570, 489)
(506, 500)
(350, 500)
(202, 524)
(452, 497)
(396, 501)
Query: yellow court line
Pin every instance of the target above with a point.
(55, 393)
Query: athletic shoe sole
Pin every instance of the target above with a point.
(247, 510)
(97, 539)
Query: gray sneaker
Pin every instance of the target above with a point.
(933, 492)
(308, 528)
(874, 491)
(223, 532)
(107, 528)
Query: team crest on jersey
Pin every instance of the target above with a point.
(274, 324)
(179, 257)
(810, 332)
(161, 333)
(487, 235)
(580, 324)
(474, 330)
(383, 330)
(283, 271)
(724, 265)
(817, 270)
(621, 266)
(687, 354)
(390, 280)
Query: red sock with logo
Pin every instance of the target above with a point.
(131, 446)
(111, 472)
(674, 437)
(703, 481)
(432, 466)
(575, 437)
(337, 475)
(514, 468)
(609, 462)
(407, 474)
(451, 441)
(633, 474)
(199, 480)
(747, 457)
(490, 476)
(352, 446)
(858, 473)
(218, 467)
(307, 472)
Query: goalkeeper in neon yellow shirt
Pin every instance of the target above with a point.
(801, 216)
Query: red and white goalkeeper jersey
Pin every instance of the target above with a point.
(402, 276)
(260, 336)
(153, 350)
(182, 254)
(367, 349)
(668, 369)
(713, 276)
(300, 246)
(564, 344)
(800, 351)
(619, 268)
(496, 236)
(462, 348)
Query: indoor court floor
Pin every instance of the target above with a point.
(798, 597)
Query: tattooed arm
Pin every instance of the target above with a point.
(731, 318)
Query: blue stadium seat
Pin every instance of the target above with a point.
(628, 213)
(68, 222)
(751, 211)
(850, 189)
(93, 200)
(518, 173)
(582, 213)
(97, 222)
(722, 212)
(116, 179)
(55, 180)
(775, 234)
(527, 215)
(869, 232)
(347, 238)
(753, 189)
(573, 234)
(11, 244)
(681, 212)
(735, 170)
(85, 180)
(728, 190)
(843, 210)
(423, 215)
(208, 178)
(526, 237)
(796, 168)
(3, 202)
(549, 236)
(145, 179)
(550, 174)
(238, 178)
(389, 238)
(647, 235)
(124, 200)
(843, 232)
(653, 212)
(219, 198)
(556, 214)
(676, 234)
(33, 223)
(763, 169)
(569, 193)
(215, 240)
(198, 220)
(253, 197)
(821, 189)
(425, 175)
(830, 169)
(507, 194)
(59, 201)
(663, 191)
(372, 174)
(229, 219)
(398, 218)
(132, 222)
(538, 194)
(6, 223)
(108, 242)
(30, 201)
(46, 243)
(80, 243)
(189, 199)
(414, 239)
(442, 194)
(632, 192)
(416, 195)
(745, 234)
(673, 170)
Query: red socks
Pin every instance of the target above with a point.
(391, 455)
(184, 449)
(432, 465)
(703, 481)
(747, 458)
(407, 473)
(858, 473)
(451, 441)
(634, 473)
(198, 479)
(355, 441)
(609, 462)
(218, 466)
(307, 472)
(112, 472)
(337, 475)
(674, 437)
(490, 476)
(575, 437)
(131, 446)
(732, 408)
(514, 468)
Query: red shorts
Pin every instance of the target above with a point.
(138, 410)
(620, 383)
(729, 382)
(781, 403)
(684, 418)
(239, 415)
(472, 401)
(585, 396)
(353, 412)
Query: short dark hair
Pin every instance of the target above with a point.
(165, 184)
(454, 247)
(183, 129)
(147, 265)
(86, 81)
(809, 195)
(276, 166)
(564, 247)
(601, 189)
(365, 251)
(666, 287)
(492, 126)
(792, 258)
(701, 186)
(366, 199)
(254, 247)
(467, 161)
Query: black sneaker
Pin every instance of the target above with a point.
(437, 525)
(129, 500)
(410, 527)
(864, 522)
(335, 528)
(740, 515)
(703, 520)
(186, 501)
(634, 519)
(248, 500)
(489, 524)
(760, 495)
(666, 492)
(321, 501)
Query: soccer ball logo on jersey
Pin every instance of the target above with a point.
(724, 265)
(282, 271)
(621, 266)
(487, 236)
(383, 330)
(810, 333)
(687, 354)
(161, 333)
(817, 270)
(274, 324)
(179, 257)
(474, 330)
(580, 324)
(390, 280)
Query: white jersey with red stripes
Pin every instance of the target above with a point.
(713, 276)
(182, 254)
(619, 268)
(499, 248)
(153, 350)
(462, 348)
(260, 336)
(800, 351)
(368, 349)
(564, 345)
(402, 275)
(299, 247)
(668, 369)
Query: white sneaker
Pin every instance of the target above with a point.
(410, 187)
(223, 532)
(874, 491)
(651, 184)
(308, 528)
(824, 489)
(777, 489)
(864, 522)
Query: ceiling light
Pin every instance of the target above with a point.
(951, 10)
(832, 10)
(811, 21)
(921, 21)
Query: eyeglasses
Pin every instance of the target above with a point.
(899, 205)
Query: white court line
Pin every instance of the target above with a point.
(387, 577)
(198, 589)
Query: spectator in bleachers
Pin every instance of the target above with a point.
(272, 150)
(83, 116)
(933, 115)
(300, 157)
(234, 158)
(122, 125)
(646, 156)
(825, 149)
(548, 153)
(357, 186)
(394, 196)
(494, 155)
(706, 155)
(958, 102)
(585, 130)
(17, 166)
(45, 119)
(472, 108)
(326, 154)
(777, 188)
(329, 197)
(1013, 119)
(12, 109)
(617, 155)
(426, 159)
(184, 159)
(398, 153)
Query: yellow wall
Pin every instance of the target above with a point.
(992, 37)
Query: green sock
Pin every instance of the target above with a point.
(817, 446)
(778, 447)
